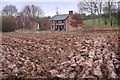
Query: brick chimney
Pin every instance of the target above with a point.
(70, 12)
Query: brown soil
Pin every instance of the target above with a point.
(60, 54)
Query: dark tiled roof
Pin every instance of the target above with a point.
(59, 17)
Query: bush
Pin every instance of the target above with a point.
(118, 18)
(76, 20)
(8, 23)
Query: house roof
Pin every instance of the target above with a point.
(59, 17)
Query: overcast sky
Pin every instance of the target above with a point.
(48, 6)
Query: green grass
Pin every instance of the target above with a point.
(25, 32)
(88, 22)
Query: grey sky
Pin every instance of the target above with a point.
(48, 6)
(54, 0)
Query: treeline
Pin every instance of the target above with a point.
(98, 10)
(30, 13)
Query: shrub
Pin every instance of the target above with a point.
(76, 20)
(8, 23)
(118, 18)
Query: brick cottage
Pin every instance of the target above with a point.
(63, 22)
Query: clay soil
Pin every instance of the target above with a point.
(60, 55)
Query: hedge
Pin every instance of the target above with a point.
(8, 23)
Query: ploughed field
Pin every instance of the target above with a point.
(60, 55)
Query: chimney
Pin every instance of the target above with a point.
(70, 12)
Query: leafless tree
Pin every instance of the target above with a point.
(88, 7)
(76, 20)
(110, 12)
(98, 9)
(44, 23)
(33, 11)
(81, 9)
(9, 10)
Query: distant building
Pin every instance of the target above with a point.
(34, 26)
(62, 22)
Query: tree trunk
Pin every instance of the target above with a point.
(110, 12)
(100, 14)
(93, 21)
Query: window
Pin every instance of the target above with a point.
(62, 21)
(52, 21)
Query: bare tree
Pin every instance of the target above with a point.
(33, 11)
(9, 10)
(114, 13)
(89, 8)
(110, 12)
(44, 23)
(81, 9)
(23, 21)
(76, 22)
(108, 9)
(98, 9)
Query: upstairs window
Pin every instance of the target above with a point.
(52, 21)
(62, 21)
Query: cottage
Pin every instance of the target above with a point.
(62, 22)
